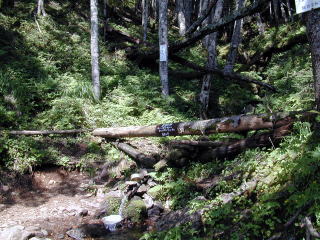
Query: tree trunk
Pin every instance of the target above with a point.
(289, 10)
(106, 19)
(40, 10)
(235, 41)
(238, 123)
(45, 132)
(184, 11)
(201, 33)
(145, 17)
(163, 45)
(95, 49)
(283, 12)
(211, 43)
(313, 30)
(139, 157)
(261, 26)
(275, 4)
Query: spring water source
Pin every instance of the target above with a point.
(112, 221)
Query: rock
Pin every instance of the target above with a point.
(131, 183)
(76, 234)
(15, 233)
(176, 218)
(95, 230)
(60, 236)
(44, 232)
(161, 165)
(83, 212)
(158, 205)
(38, 238)
(147, 201)
(155, 192)
(136, 198)
(51, 182)
(5, 188)
(154, 212)
(136, 177)
(33, 229)
(135, 211)
(142, 189)
(151, 183)
(100, 193)
(144, 172)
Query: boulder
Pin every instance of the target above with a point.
(176, 218)
(136, 177)
(109, 206)
(155, 192)
(96, 230)
(135, 211)
(15, 233)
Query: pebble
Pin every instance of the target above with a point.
(136, 177)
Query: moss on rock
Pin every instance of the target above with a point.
(135, 211)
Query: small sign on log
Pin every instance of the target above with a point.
(306, 5)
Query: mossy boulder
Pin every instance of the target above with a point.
(136, 211)
(156, 192)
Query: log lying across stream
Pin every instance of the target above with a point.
(239, 123)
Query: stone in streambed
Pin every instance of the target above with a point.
(135, 211)
(95, 230)
(136, 177)
(15, 233)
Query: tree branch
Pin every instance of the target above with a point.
(231, 75)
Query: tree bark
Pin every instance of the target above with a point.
(163, 46)
(313, 31)
(145, 18)
(235, 41)
(204, 13)
(45, 132)
(40, 10)
(239, 123)
(231, 150)
(95, 49)
(232, 76)
(211, 43)
(184, 11)
(201, 33)
(139, 157)
(106, 19)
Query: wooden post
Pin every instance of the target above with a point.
(163, 46)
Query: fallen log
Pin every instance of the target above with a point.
(237, 123)
(197, 143)
(139, 157)
(45, 132)
(268, 139)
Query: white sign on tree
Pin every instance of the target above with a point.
(306, 5)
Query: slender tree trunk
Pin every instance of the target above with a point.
(275, 4)
(235, 41)
(155, 8)
(163, 44)
(211, 44)
(106, 19)
(261, 26)
(289, 10)
(313, 30)
(40, 10)
(95, 49)
(184, 11)
(283, 12)
(145, 17)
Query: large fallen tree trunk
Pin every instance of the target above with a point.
(45, 132)
(239, 123)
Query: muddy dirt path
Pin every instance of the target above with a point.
(52, 199)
